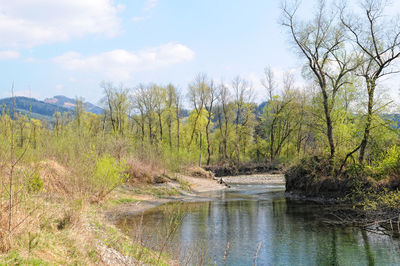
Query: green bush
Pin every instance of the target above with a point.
(387, 163)
(35, 183)
(109, 173)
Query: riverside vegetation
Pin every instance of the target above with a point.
(337, 136)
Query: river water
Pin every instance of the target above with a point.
(230, 226)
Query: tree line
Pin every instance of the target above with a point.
(340, 112)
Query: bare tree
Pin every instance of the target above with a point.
(209, 105)
(159, 104)
(137, 103)
(224, 98)
(197, 96)
(116, 102)
(321, 41)
(170, 102)
(178, 104)
(268, 82)
(378, 42)
(149, 104)
(242, 92)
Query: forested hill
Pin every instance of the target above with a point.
(43, 109)
(69, 103)
(393, 117)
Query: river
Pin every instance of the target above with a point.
(230, 227)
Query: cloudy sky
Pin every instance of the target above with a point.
(68, 47)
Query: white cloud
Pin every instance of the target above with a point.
(121, 64)
(136, 19)
(150, 4)
(8, 54)
(26, 23)
(29, 60)
(121, 7)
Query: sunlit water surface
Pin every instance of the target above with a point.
(290, 232)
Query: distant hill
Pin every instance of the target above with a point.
(69, 103)
(395, 118)
(43, 109)
(33, 106)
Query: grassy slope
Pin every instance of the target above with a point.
(77, 233)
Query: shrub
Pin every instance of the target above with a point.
(108, 174)
(388, 162)
(34, 183)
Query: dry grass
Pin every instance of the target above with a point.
(196, 171)
(55, 178)
(140, 172)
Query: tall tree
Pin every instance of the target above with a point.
(170, 105)
(178, 105)
(137, 103)
(116, 104)
(159, 104)
(197, 96)
(321, 41)
(242, 93)
(224, 98)
(378, 40)
(211, 97)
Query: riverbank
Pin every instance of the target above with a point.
(257, 179)
(368, 198)
(253, 214)
(69, 231)
(187, 189)
(198, 188)
(245, 169)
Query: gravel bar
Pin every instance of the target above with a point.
(256, 179)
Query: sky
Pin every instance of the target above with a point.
(68, 47)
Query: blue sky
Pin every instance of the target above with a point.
(68, 47)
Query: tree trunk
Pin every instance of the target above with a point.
(194, 128)
(226, 139)
(272, 140)
(161, 128)
(329, 127)
(238, 114)
(169, 131)
(150, 130)
(371, 88)
(208, 140)
(178, 128)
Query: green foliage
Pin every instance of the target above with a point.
(387, 162)
(184, 184)
(34, 183)
(382, 200)
(108, 172)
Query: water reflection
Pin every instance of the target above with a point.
(289, 232)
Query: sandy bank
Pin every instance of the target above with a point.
(261, 179)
